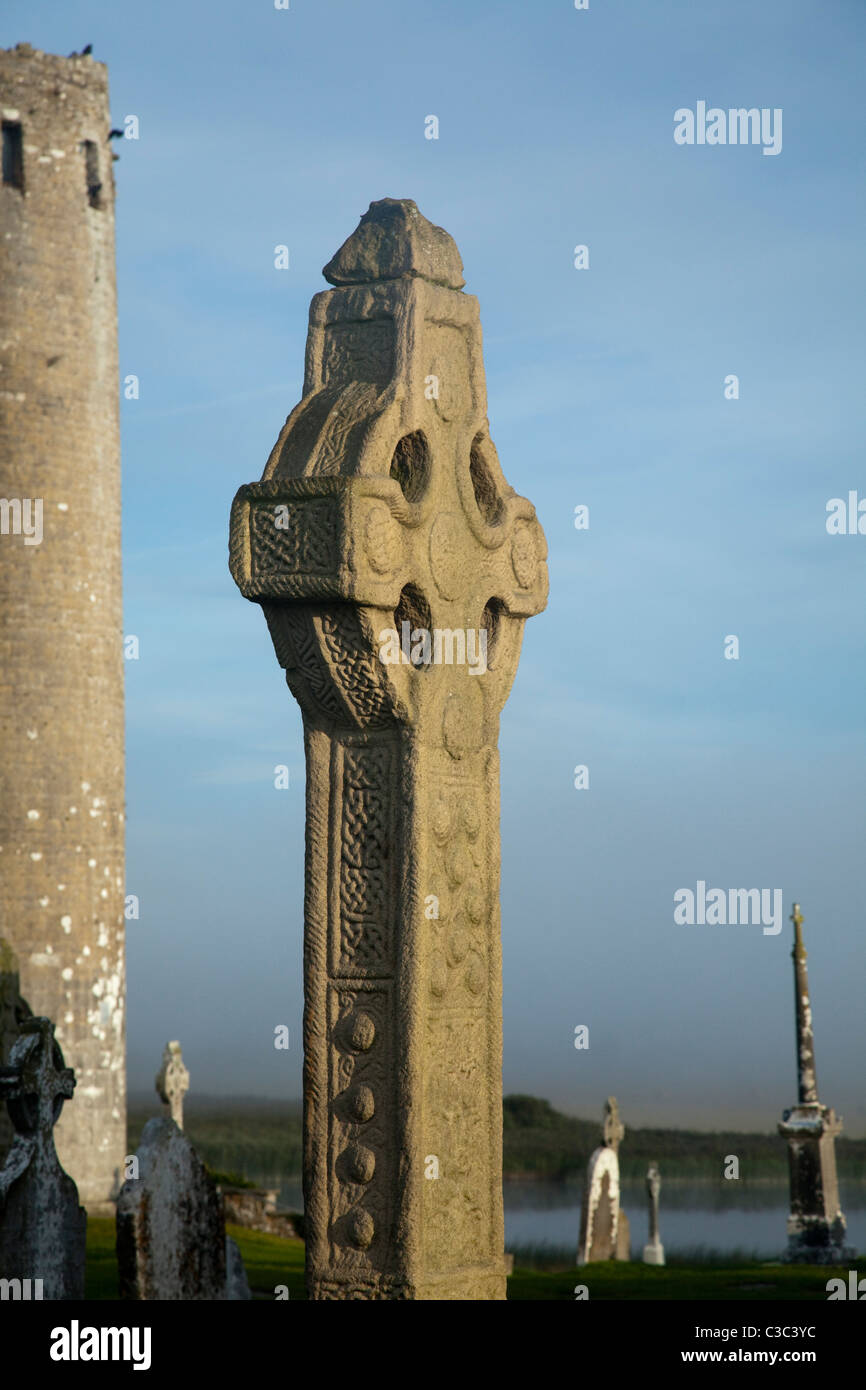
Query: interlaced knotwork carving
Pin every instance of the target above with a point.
(294, 539)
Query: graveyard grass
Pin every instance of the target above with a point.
(274, 1260)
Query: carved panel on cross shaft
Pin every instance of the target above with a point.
(458, 874)
(361, 1117)
(358, 673)
(364, 855)
(457, 1215)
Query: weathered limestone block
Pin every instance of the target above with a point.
(383, 508)
(256, 1208)
(170, 1229)
(42, 1227)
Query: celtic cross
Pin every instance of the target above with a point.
(396, 568)
(172, 1081)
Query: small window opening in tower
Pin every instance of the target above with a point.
(13, 157)
(91, 166)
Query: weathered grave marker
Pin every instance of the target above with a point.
(170, 1231)
(42, 1226)
(604, 1232)
(383, 515)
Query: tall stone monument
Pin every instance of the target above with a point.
(816, 1226)
(386, 549)
(61, 654)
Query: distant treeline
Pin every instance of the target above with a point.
(256, 1139)
(261, 1140)
(540, 1142)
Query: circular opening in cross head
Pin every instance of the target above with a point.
(491, 622)
(410, 465)
(483, 485)
(413, 623)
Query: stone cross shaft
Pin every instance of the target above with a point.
(382, 516)
(806, 1077)
(172, 1081)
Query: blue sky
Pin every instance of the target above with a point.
(707, 516)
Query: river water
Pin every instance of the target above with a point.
(724, 1216)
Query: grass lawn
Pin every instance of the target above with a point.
(271, 1260)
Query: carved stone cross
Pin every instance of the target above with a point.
(613, 1131)
(172, 1081)
(42, 1227)
(396, 568)
(36, 1083)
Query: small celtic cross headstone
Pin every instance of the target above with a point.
(396, 568)
(172, 1081)
(604, 1230)
(42, 1226)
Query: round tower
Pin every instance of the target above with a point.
(61, 658)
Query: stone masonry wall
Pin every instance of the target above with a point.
(61, 663)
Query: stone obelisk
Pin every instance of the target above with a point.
(816, 1226)
(61, 634)
(396, 568)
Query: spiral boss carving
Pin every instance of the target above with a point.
(383, 507)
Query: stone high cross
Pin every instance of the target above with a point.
(42, 1226)
(383, 510)
(172, 1081)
